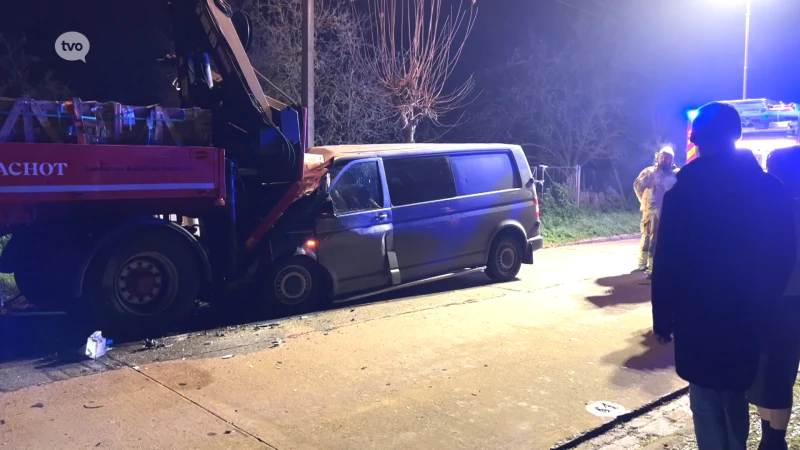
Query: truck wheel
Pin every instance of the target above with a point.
(144, 284)
(39, 289)
(505, 258)
(45, 269)
(294, 286)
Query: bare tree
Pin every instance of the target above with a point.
(558, 105)
(349, 106)
(413, 53)
(17, 76)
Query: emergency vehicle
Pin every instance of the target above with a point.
(767, 125)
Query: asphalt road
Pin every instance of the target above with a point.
(457, 364)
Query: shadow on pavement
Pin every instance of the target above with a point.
(643, 355)
(655, 356)
(625, 289)
(448, 285)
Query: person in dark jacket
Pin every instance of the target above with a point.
(720, 259)
(773, 389)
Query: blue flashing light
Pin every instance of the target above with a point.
(691, 114)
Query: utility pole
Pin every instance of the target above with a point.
(308, 69)
(746, 49)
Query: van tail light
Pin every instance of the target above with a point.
(536, 202)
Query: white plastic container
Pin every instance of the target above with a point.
(96, 345)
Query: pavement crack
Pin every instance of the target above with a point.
(195, 403)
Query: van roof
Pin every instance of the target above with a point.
(334, 151)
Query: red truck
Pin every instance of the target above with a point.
(87, 189)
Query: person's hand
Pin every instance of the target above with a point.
(663, 339)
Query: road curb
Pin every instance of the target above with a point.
(619, 237)
(625, 418)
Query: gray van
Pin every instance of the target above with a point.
(396, 215)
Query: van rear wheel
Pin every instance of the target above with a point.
(505, 259)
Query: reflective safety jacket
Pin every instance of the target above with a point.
(651, 185)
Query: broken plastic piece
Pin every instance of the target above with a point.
(96, 345)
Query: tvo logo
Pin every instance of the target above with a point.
(72, 46)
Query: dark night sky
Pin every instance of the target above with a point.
(694, 48)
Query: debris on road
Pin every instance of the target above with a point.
(276, 343)
(96, 345)
(227, 357)
(90, 406)
(304, 317)
(155, 343)
(271, 326)
(38, 405)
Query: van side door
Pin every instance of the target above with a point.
(426, 230)
(352, 243)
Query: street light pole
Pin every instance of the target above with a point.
(746, 49)
(307, 72)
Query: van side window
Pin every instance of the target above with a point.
(486, 172)
(358, 189)
(419, 179)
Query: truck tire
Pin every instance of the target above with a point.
(39, 289)
(45, 268)
(292, 286)
(143, 284)
(505, 258)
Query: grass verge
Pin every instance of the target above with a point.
(573, 224)
(8, 287)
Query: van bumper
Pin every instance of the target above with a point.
(534, 243)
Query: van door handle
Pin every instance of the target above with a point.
(381, 216)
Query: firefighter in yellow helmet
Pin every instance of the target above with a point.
(650, 186)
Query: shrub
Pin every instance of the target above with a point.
(600, 214)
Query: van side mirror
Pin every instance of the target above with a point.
(530, 182)
(326, 208)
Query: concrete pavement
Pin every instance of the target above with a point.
(508, 366)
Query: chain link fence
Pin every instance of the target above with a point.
(569, 177)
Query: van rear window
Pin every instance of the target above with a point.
(419, 180)
(486, 172)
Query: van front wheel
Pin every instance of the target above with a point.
(294, 285)
(505, 259)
